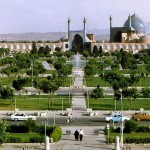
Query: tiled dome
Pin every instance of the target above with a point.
(136, 23)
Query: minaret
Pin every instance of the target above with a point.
(84, 36)
(69, 21)
(110, 18)
(130, 28)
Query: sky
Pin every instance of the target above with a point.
(19, 16)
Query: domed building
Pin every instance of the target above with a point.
(132, 31)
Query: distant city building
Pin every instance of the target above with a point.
(133, 31)
(131, 37)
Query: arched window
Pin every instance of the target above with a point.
(66, 46)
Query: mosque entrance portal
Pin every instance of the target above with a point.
(77, 43)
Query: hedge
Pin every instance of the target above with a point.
(37, 139)
(13, 139)
(56, 134)
(20, 128)
(137, 140)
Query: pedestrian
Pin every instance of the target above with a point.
(76, 135)
(81, 134)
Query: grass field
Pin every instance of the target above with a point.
(109, 104)
(32, 102)
(144, 82)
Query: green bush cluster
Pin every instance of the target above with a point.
(17, 128)
(13, 139)
(143, 129)
(37, 139)
(41, 129)
(137, 140)
(56, 134)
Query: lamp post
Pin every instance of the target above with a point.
(62, 103)
(54, 120)
(88, 96)
(115, 103)
(108, 133)
(15, 104)
(32, 72)
(121, 131)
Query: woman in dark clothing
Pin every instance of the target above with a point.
(76, 135)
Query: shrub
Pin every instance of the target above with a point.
(111, 129)
(56, 134)
(13, 139)
(37, 139)
(30, 125)
(18, 128)
(130, 126)
(143, 129)
(41, 129)
(137, 140)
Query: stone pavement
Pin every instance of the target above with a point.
(91, 141)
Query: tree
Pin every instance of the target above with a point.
(145, 92)
(100, 51)
(47, 87)
(85, 53)
(97, 93)
(19, 83)
(3, 133)
(6, 92)
(30, 124)
(125, 60)
(47, 51)
(41, 51)
(130, 126)
(130, 93)
(95, 51)
(34, 48)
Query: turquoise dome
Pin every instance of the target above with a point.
(136, 23)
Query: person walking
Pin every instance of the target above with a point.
(81, 134)
(76, 135)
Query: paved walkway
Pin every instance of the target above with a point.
(78, 99)
(91, 141)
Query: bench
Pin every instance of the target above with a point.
(96, 131)
(68, 132)
(69, 109)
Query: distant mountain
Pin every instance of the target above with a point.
(98, 31)
(50, 36)
(148, 27)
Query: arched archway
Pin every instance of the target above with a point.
(77, 43)
(118, 36)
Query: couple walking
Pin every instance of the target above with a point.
(78, 135)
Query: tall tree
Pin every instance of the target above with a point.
(95, 51)
(3, 133)
(34, 48)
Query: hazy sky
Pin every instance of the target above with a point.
(18, 16)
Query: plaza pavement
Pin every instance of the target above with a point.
(92, 139)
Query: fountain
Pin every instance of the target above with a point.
(78, 65)
(76, 60)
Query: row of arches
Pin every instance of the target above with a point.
(26, 47)
(125, 46)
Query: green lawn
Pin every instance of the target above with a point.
(109, 104)
(5, 81)
(34, 103)
(97, 80)
(50, 71)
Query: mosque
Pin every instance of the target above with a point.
(131, 37)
